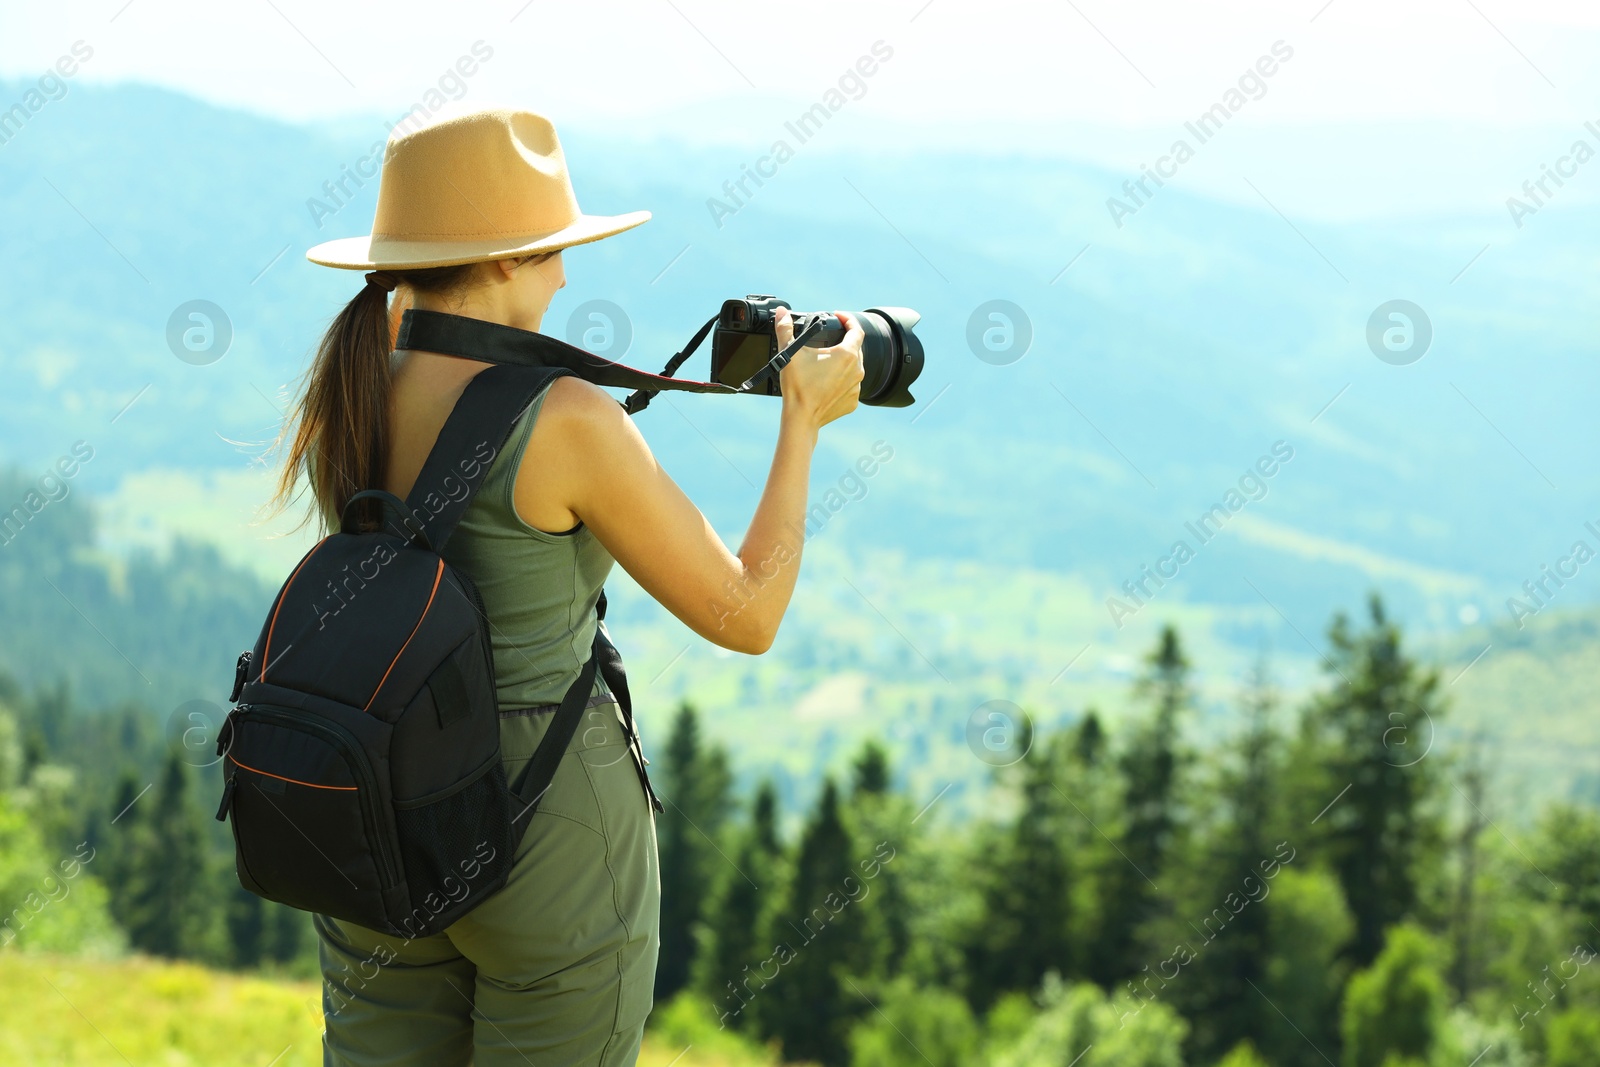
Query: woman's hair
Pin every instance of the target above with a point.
(340, 421)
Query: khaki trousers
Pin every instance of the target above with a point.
(556, 969)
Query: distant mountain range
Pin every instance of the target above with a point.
(1033, 502)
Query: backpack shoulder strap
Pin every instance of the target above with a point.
(472, 437)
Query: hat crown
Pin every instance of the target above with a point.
(476, 186)
(480, 176)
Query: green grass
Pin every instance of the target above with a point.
(89, 1013)
(73, 1012)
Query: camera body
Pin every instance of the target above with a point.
(746, 340)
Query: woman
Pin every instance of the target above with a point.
(557, 967)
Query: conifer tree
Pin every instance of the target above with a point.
(171, 904)
(733, 955)
(695, 784)
(287, 931)
(871, 770)
(1464, 919)
(1089, 740)
(122, 842)
(1369, 736)
(1221, 889)
(877, 817)
(1151, 765)
(247, 927)
(810, 1004)
(1026, 921)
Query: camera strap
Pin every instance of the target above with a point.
(493, 342)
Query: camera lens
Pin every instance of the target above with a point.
(891, 355)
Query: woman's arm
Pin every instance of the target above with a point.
(598, 466)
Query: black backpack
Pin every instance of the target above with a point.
(362, 759)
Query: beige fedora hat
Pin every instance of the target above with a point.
(482, 185)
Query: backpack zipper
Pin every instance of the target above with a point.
(272, 622)
(227, 797)
(224, 742)
(438, 576)
(240, 671)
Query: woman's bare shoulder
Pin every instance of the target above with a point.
(573, 401)
(578, 423)
(581, 433)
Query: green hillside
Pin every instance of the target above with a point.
(135, 598)
(1532, 705)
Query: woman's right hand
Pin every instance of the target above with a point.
(821, 384)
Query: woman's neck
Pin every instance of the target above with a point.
(486, 306)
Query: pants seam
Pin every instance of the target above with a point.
(605, 1051)
(577, 822)
(616, 904)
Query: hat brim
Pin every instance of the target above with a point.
(383, 253)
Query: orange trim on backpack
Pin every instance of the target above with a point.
(437, 574)
(266, 651)
(295, 781)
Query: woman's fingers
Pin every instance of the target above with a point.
(848, 366)
(854, 336)
(784, 325)
(824, 380)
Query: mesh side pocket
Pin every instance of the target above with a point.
(456, 850)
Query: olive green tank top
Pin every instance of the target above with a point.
(539, 589)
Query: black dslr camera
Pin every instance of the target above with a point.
(744, 347)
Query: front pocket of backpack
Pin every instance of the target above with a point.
(311, 828)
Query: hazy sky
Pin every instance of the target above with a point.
(1099, 79)
(1093, 59)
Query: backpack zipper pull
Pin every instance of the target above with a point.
(225, 735)
(227, 798)
(240, 669)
